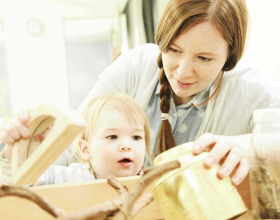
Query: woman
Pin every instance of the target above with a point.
(188, 83)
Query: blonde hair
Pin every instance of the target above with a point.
(229, 16)
(125, 104)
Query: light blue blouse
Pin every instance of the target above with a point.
(184, 119)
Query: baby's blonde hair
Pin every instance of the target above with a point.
(125, 104)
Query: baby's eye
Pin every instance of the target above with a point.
(136, 137)
(204, 59)
(112, 137)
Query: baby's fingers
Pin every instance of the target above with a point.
(20, 123)
(23, 117)
(22, 129)
(6, 138)
(13, 131)
(40, 137)
(17, 130)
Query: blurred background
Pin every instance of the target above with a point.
(51, 51)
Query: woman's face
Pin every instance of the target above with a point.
(194, 60)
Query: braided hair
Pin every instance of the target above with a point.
(166, 138)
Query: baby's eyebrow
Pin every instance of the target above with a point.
(117, 129)
(139, 129)
(111, 129)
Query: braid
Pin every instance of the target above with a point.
(166, 139)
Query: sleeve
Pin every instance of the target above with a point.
(261, 92)
(55, 174)
(66, 158)
(126, 73)
(5, 170)
(244, 89)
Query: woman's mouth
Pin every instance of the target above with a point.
(183, 85)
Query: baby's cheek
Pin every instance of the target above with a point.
(140, 155)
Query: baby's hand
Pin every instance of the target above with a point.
(14, 130)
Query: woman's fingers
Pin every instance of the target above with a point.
(241, 172)
(220, 151)
(204, 142)
(217, 153)
(231, 162)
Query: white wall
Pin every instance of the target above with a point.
(37, 64)
(263, 48)
(159, 7)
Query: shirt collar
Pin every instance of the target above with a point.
(195, 101)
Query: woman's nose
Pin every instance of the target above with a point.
(124, 148)
(184, 68)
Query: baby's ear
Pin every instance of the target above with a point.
(84, 151)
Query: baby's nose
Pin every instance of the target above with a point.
(124, 148)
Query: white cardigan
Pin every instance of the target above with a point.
(229, 113)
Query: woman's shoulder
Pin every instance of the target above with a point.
(145, 50)
(141, 60)
(242, 68)
(147, 47)
(246, 76)
(244, 72)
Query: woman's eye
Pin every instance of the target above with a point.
(136, 137)
(204, 59)
(112, 137)
(174, 50)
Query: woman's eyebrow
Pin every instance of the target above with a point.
(200, 53)
(174, 44)
(208, 54)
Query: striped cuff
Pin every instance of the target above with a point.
(5, 170)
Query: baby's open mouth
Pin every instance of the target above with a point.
(125, 160)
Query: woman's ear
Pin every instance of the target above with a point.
(84, 150)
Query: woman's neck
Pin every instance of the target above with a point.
(179, 101)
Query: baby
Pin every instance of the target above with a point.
(115, 142)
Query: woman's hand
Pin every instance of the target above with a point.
(229, 150)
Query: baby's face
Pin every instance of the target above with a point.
(118, 146)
